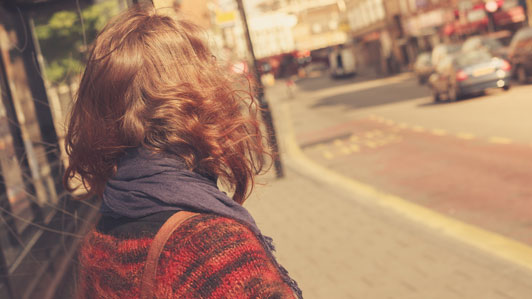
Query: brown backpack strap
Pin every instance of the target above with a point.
(156, 247)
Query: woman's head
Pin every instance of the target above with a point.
(151, 81)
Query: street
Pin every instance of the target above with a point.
(470, 160)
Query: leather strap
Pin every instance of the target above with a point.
(156, 247)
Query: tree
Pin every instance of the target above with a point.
(64, 38)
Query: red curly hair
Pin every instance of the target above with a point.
(151, 81)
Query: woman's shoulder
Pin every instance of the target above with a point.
(147, 227)
(208, 232)
(222, 256)
(207, 256)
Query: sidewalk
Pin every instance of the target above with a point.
(339, 246)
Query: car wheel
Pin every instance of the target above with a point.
(452, 94)
(506, 87)
(522, 76)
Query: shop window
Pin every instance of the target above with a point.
(32, 202)
(64, 37)
(22, 160)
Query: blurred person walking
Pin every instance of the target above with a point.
(155, 127)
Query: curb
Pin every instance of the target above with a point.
(510, 250)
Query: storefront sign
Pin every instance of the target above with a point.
(424, 22)
(512, 15)
(371, 36)
(225, 18)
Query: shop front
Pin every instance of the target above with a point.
(42, 44)
(484, 17)
(423, 32)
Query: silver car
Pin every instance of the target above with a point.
(469, 73)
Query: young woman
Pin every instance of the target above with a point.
(157, 123)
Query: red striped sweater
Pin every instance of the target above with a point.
(206, 257)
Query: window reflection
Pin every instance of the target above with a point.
(28, 193)
(63, 37)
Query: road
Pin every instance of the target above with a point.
(471, 160)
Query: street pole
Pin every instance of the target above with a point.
(527, 5)
(265, 109)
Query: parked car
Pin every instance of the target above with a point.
(342, 62)
(469, 73)
(520, 54)
(423, 67)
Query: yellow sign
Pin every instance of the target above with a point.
(344, 27)
(225, 18)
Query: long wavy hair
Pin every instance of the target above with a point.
(151, 81)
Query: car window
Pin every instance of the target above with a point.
(441, 51)
(525, 33)
(477, 42)
(471, 58)
(451, 49)
(493, 44)
(471, 44)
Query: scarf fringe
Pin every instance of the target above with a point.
(270, 249)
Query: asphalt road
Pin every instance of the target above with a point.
(471, 159)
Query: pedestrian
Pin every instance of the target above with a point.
(155, 128)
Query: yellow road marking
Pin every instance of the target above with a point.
(355, 148)
(418, 129)
(345, 150)
(328, 155)
(500, 140)
(369, 134)
(439, 132)
(498, 245)
(338, 142)
(465, 136)
(371, 144)
(402, 126)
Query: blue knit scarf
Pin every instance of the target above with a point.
(147, 183)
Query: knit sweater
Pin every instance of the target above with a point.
(207, 256)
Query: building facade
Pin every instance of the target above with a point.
(320, 23)
(389, 34)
